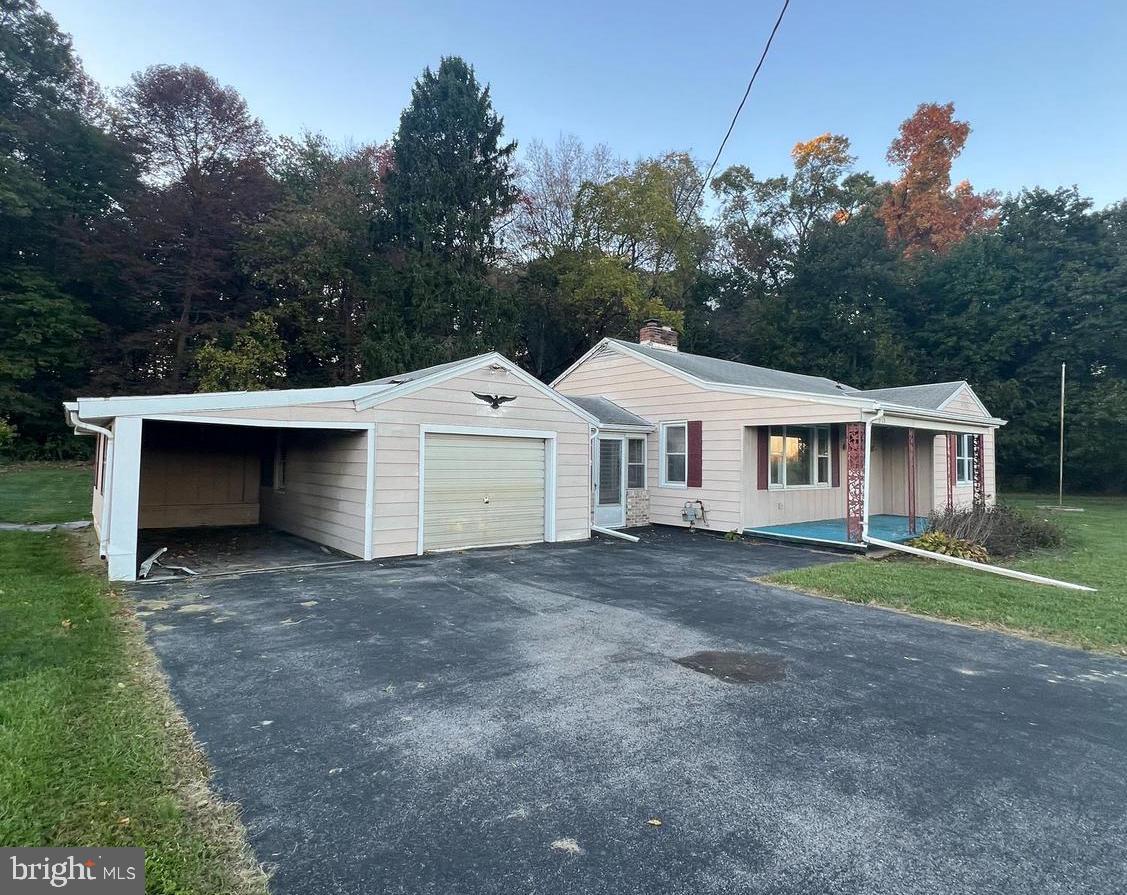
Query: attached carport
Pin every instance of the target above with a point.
(161, 473)
(467, 454)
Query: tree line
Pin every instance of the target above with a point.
(159, 239)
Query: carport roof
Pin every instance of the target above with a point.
(363, 395)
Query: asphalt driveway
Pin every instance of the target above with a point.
(509, 721)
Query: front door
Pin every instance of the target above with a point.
(610, 497)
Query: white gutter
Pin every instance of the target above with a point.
(610, 532)
(868, 448)
(980, 566)
(107, 502)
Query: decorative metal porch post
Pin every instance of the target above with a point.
(854, 479)
(912, 476)
(979, 471)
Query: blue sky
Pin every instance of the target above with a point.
(1042, 83)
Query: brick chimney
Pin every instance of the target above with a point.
(655, 335)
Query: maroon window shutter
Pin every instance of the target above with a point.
(764, 459)
(693, 433)
(835, 456)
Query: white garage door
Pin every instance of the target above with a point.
(482, 490)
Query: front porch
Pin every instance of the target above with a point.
(840, 484)
(835, 532)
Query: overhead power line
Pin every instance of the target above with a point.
(739, 108)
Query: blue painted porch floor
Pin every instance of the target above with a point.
(833, 531)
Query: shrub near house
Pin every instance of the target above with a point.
(980, 531)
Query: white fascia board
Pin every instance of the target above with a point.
(609, 427)
(582, 360)
(958, 419)
(358, 426)
(142, 405)
(476, 363)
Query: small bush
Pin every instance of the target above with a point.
(949, 545)
(1001, 530)
(7, 436)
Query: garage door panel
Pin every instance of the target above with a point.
(481, 490)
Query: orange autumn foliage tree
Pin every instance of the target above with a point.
(922, 211)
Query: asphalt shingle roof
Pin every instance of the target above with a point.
(414, 374)
(607, 412)
(727, 372)
(928, 396)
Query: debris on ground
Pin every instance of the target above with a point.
(154, 560)
(567, 846)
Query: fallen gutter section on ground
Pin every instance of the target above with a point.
(611, 533)
(980, 566)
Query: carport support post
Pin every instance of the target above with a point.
(854, 480)
(121, 548)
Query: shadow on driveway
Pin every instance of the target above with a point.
(510, 720)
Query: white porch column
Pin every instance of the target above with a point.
(123, 498)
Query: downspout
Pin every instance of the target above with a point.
(868, 464)
(592, 459)
(107, 500)
(979, 566)
(928, 554)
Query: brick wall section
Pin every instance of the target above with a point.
(637, 507)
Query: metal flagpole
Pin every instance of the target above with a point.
(1060, 480)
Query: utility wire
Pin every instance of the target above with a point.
(731, 127)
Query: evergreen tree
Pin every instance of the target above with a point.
(449, 188)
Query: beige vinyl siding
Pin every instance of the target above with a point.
(889, 469)
(778, 506)
(323, 498)
(451, 403)
(96, 509)
(963, 494)
(659, 396)
(198, 485)
(97, 499)
(964, 402)
(482, 490)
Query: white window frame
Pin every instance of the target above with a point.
(644, 461)
(964, 461)
(820, 433)
(663, 476)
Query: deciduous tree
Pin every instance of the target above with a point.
(204, 155)
(61, 176)
(313, 258)
(922, 212)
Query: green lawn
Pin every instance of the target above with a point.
(1095, 553)
(92, 749)
(45, 492)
